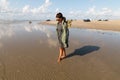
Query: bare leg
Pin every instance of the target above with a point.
(64, 53)
(60, 54)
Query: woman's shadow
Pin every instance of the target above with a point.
(83, 51)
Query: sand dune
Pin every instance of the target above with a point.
(102, 25)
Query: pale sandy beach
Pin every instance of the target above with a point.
(30, 52)
(113, 25)
(33, 38)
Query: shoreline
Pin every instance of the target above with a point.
(113, 25)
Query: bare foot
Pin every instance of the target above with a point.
(59, 60)
(62, 57)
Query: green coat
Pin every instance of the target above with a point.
(63, 34)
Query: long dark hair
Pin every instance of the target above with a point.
(60, 15)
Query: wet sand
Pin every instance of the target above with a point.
(30, 52)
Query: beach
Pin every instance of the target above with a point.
(30, 52)
(113, 25)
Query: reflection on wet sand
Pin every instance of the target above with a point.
(5, 31)
(9, 31)
(51, 41)
(30, 51)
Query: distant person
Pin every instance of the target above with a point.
(62, 34)
(30, 22)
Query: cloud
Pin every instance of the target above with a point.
(94, 13)
(75, 14)
(57, 10)
(99, 13)
(39, 12)
(117, 13)
(43, 12)
(41, 9)
(44, 7)
(105, 11)
(6, 12)
(27, 12)
(4, 5)
(91, 11)
(26, 9)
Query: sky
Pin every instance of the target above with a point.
(47, 9)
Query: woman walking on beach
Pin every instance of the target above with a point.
(63, 35)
